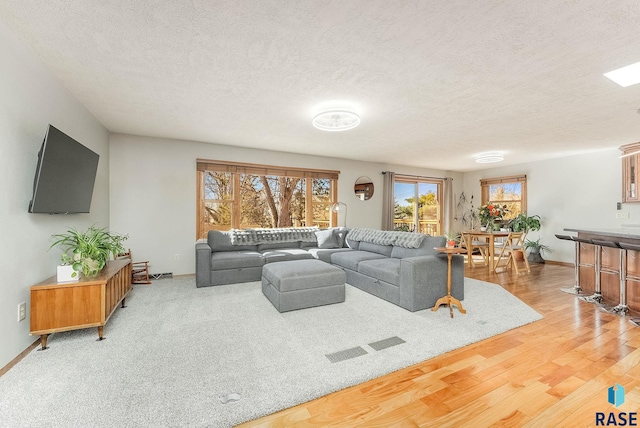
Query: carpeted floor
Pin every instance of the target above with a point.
(176, 353)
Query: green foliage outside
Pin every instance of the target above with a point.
(428, 208)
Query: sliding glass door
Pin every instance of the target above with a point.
(418, 206)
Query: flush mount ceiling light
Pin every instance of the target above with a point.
(625, 76)
(336, 120)
(489, 157)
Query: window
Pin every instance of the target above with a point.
(418, 206)
(240, 196)
(509, 191)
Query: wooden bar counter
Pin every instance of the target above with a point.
(610, 265)
(89, 302)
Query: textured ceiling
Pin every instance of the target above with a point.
(434, 82)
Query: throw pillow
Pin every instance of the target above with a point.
(340, 234)
(326, 239)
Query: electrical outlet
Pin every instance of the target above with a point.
(176, 257)
(22, 311)
(622, 214)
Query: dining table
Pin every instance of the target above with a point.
(490, 237)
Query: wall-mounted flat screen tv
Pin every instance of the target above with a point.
(65, 175)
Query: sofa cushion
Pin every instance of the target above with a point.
(425, 248)
(387, 270)
(279, 245)
(327, 239)
(221, 241)
(302, 275)
(304, 244)
(385, 250)
(286, 255)
(351, 243)
(325, 254)
(236, 259)
(350, 259)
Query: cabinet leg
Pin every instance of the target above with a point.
(101, 332)
(43, 342)
(123, 305)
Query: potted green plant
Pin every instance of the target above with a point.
(452, 238)
(524, 223)
(87, 252)
(535, 250)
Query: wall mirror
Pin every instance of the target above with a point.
(363, 188)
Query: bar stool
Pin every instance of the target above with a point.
(621, 308)
(596, 297)
(576, 288)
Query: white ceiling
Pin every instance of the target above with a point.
(435, 82)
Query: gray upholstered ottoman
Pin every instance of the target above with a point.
(299, 284)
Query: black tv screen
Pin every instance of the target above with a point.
(65, 175)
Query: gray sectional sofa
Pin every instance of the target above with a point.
(400, 267)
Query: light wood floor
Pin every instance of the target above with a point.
(551, 373)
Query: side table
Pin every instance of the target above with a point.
(449, 299)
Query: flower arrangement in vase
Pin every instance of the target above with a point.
(491, 215)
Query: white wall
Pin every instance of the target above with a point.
(573, 192)
(31, 99)
(153, 192)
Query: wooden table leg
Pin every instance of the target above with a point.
(101, 332)
(492, 252)
(449, 299)
(43, 342)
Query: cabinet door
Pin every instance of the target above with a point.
(630, 178)
(610, 287)
(630, 173)
(610, 259)
(633, 264)
(587, 279)
(587, 254)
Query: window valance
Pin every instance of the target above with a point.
(256, 169)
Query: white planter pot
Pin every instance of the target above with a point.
(66, 274)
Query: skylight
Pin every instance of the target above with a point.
(625, 76)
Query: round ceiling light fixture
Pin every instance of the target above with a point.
(336, 120)
(489, 157)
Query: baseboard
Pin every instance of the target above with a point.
(17, 359)
(553, 262)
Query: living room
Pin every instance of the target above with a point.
(146, 182)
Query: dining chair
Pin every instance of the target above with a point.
(512, 243)
(467, 241)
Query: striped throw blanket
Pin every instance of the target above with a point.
(387, 237)
(272, 236)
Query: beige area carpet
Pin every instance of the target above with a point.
(177, 353)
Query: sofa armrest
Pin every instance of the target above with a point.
(203, 264)
(423, 280)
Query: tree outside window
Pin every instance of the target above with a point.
(243, 200)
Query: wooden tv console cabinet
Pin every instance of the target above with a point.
(63, 306)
